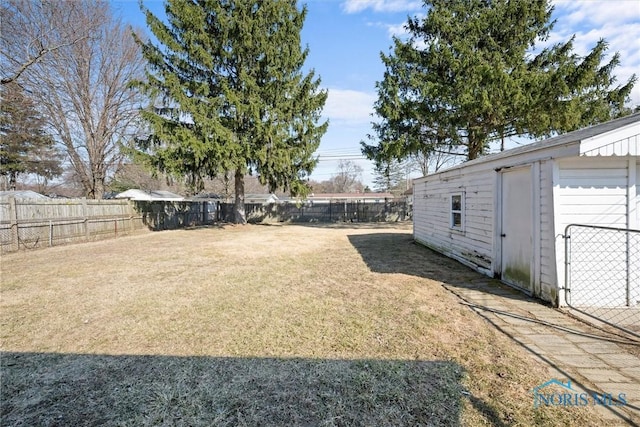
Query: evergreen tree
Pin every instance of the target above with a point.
(466, 76)
(234, 98)
(25, 148)
(390, 176)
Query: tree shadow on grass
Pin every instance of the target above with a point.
(73, 389)
(398, 253)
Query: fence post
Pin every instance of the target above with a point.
(567, 265)
(628, 265)
(13, 217)
(50, 233)
(85, 218)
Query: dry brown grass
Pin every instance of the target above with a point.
(256, 325)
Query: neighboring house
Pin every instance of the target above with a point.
(350, 197)
(264, 199)
(143, 195)
(22, 195)
(505, 214)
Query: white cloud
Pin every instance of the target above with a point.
(355, 6)
(349, 107)
(590, 12)
(398, 30)
(618, 22)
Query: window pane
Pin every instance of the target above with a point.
(457, 219)
(456, 203)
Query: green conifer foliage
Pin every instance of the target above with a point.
(470, 73)
(25, 147)
(230, 94)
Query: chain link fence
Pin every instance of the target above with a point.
(333, 211)
(602, 274)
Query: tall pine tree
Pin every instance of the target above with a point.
(469, 75)
(25, 147)
(230, 94)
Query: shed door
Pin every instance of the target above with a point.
(517, 228)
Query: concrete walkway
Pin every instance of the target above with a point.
(593, 359)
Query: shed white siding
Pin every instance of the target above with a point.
(598, 192)
(473, 245)
(593, 191)
(547, 279)
(591, 176)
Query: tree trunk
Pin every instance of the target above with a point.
(12, 181)
(475, 146)
(238, 207)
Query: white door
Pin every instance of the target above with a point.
(517, 228)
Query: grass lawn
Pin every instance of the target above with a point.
(257, 325)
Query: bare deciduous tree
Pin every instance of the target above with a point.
(33, 29)
(427, 162)
(83, 89)
(347, 178)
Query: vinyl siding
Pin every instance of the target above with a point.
(593, 191)
(593, 195)
(548, 275)
(473, 244)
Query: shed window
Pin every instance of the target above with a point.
(457, 211)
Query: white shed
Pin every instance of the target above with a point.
(505, 214)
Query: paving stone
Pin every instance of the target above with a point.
(548, 338)
(600, 347)
(630, 390)
(596, 375)
(561, 349)
(578, 338)
(633, 373)
(567, 347)
(515, 321)
(530, 330)
(578, 361)
(555, 372)
(621, 360)
(533, 348)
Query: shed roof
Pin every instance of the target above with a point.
(589, 141)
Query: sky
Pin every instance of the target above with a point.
(345, 39)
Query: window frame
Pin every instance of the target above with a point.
(453, 212)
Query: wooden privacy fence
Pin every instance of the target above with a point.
(34, 223)
(37, 223)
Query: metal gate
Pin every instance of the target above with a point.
(602, 274)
